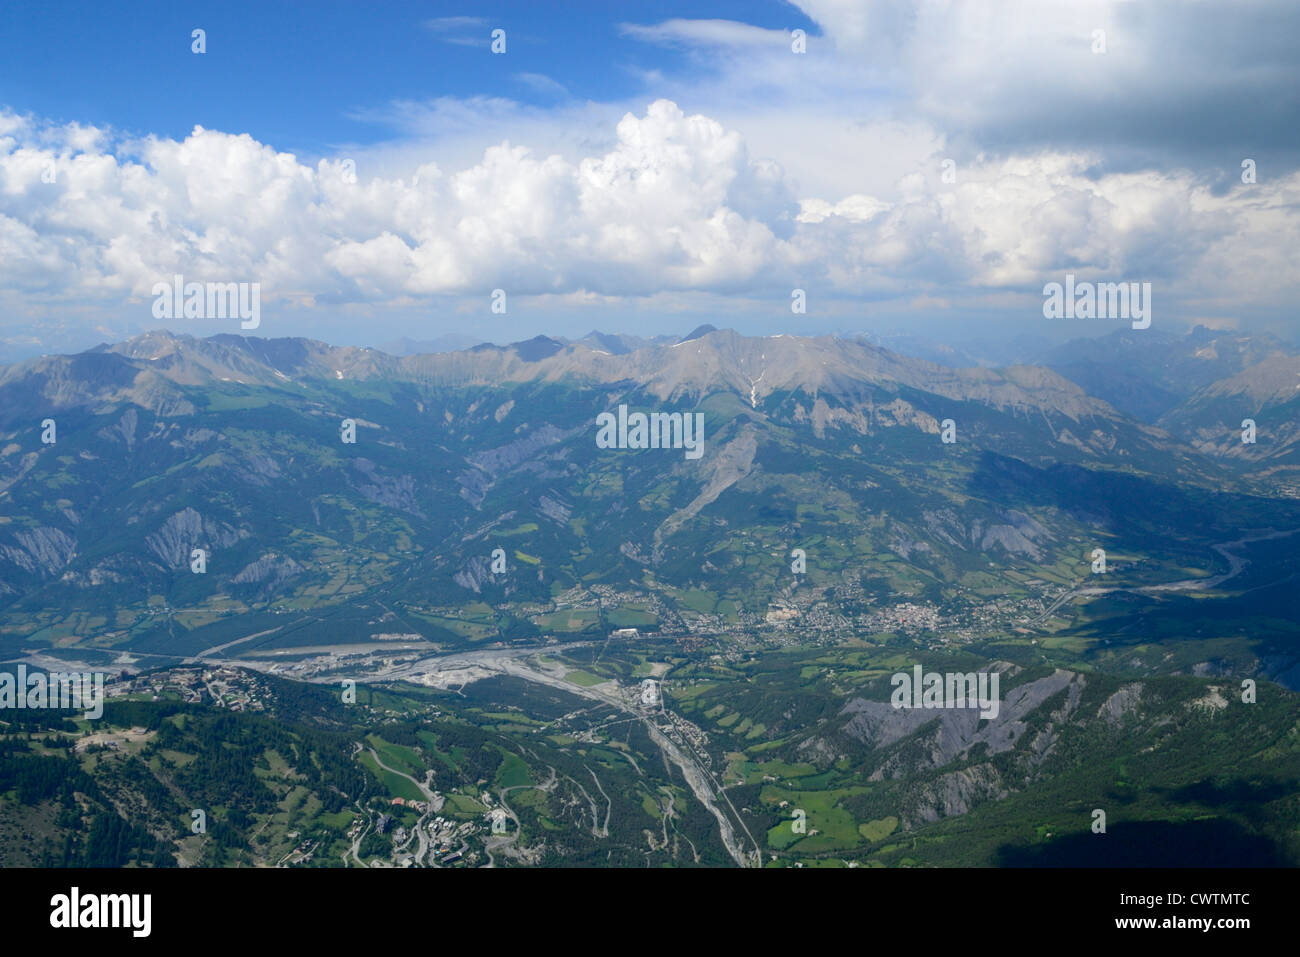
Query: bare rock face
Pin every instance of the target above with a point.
(554, 509)
(257, 469)
(1017, 533)
(1121, 703)
(954, 794)
(473, 574)
(916, 740)
(270, 572)
(186, 531)
(724, 468)
(394, 491)
(880, 724)
(1010, 539)
(489, 466)
(124, 430)
(43, 551)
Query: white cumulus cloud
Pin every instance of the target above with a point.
(676, 203)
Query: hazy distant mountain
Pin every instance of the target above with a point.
(1268, 393)
(537, 348)
(618, 344)
(409, 347)
(1146, 373)
(842, 382)
(697, 333)
(822, 382)
(970, 351)
(1199, 387)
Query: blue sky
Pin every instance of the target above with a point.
(919, 167)
(296, 74)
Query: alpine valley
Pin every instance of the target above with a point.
(362, 609)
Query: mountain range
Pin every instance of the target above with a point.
(232, 445)
(191, 513)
